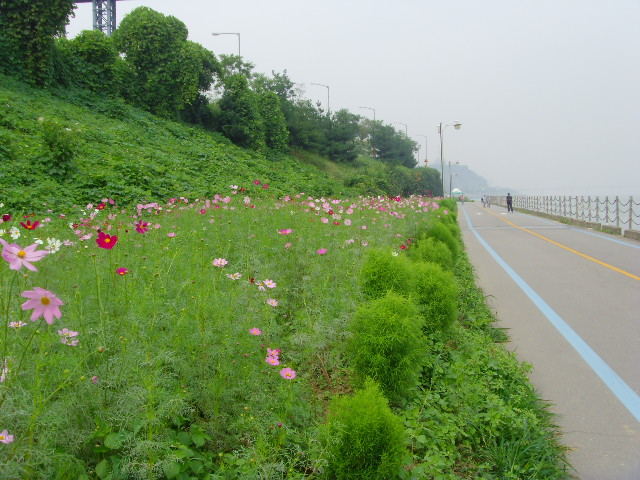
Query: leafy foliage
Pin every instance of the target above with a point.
(387, 345)
(366, 438)
(382, 272)
(28, 28)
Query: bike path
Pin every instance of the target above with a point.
(571, 301)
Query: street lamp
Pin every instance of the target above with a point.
(426, 152)
(405, 128)
(441, 129)
(451, 177)
(230, 33)
(374, 112)
(327, 87)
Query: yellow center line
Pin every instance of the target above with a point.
(595, 260)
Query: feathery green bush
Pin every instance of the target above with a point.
(382, 272)
(388, 345)
(365, 439)
(429, 249)
(436, 292)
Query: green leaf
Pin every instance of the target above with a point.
(103, 469)
(113, 441)
(171, 470)
(184, 438)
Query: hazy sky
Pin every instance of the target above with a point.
(548, 91)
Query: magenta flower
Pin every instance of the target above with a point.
(142, 227)
(6, 217)
(322, 251)
(29, 225)
(255, 331)
(44, 303)
(94, 379)
(122, 271)
(107, 241)
(17, 257)
(285, 231)
(5, 437)
(288, 373)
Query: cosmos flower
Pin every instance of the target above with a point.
(142, 227)
(255, 331)
(44, 304)
(5, 437)
(17, 256)
(122, 271)
(29, 225)
(219, 262)
(107, 241)
(288, 373)
(322, 251)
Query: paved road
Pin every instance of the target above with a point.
(570, 298)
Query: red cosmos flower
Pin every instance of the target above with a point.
(6, 217)
(106, 241)
(122, 271)
(29, 225)
(265, 186)
(403, 247)
(142, 227)
(101, 206)
(256, 182)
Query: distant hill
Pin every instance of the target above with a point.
(472, 184)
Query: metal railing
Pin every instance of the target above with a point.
(605, 211)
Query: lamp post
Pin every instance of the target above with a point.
(441, 129)
(451, 177)
(405, 128)
(327, 87)
(230, 33)
(374, 112)
(426, 152)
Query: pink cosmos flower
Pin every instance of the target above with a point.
(18, 324)
(122, 271)
(273, 302)
(220, 262)
(255, 331)
(269, 283)
(107, 241)
(44, 303)
(322, 251)
(288, 373)
(94, 379)
(68, 337)
(273, 352)
(285, 231)
(172, 234)
(5, 437)
(272, 360)
(17, 257)
(256, 182)
(142, 227)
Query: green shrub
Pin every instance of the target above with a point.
(388, 345)
(436, 292)
(439, 231)
(366, 440)
(382, 272)
(429, 249)
(449, 204)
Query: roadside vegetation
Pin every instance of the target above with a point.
(232, 284)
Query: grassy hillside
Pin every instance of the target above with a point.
(73, 147)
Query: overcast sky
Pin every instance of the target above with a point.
(547, 91)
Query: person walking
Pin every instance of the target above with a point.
(509, 203)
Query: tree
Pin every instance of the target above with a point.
(274, 121)
(28, 29)
(341, 137)
(389, 145)
(240, 120)
(169, 71)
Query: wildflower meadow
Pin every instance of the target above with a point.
(247, 336)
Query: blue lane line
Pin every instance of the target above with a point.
(618, 387)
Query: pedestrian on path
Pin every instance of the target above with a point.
(509, 202)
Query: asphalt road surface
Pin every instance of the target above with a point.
(570, 299)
